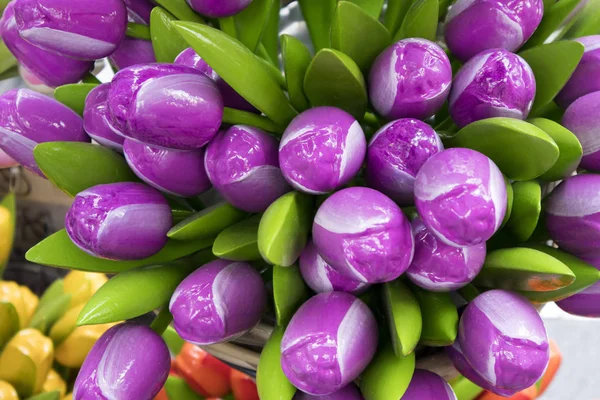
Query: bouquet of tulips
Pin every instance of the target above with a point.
(420, 176)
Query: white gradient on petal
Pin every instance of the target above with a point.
(490, 374)
(590, 139)
(466, 76)
(449, 391)
(347, 338)
(457, 8)
(75, 43)
(131, 216)
(106, 142)
(508, 112)
(427, 191)
(513, 36)
(442, 237)
(294, 134)
(354, 272)
(387, 90)
(498, 196)
(259, 175)
(380, 131)
(319, 274)
(18, 144)
(170, 88)
(112, 371)
(564, 204)
(221, 291)
(335, 220)
(591, 47)
(143, 177)
(304, 189)
(355, 142)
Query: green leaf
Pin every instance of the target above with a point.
(54, 291)
(522, 268)
(10, 323)
(587, 22)
(396, 11)
(54, 395)
(11, 72)
(241, 69)
(289, 292)
(526, 209)
(334, 79)
(358, 35)
(421, 21)
(73, 96)
(464, 389)
(570, 150)
(270, 38)
(7, 60)
(521, 150)
(552, 20)
(181, 10)
(372, 7)
(296, 59)
(178, 389)
(138, 31)
(404, 317)
(239, 242)
(207, 223)
(46, 315)
(57, 250)
(252, 21)
(510, 197)
(440, 318)
(318, 15)
(74, 167)
(231, 116)
(284, 228)
(10, 204)
(173, 341)
(166, 41)
(387, 376)
(271, 382)
(551, 76)
(133, 293)
(585, 276)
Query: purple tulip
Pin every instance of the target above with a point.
(473, 26)
(494, 83)
(582, 118)
(585, 303)
(330, 340)
(364, 235)
(138, 11)
(128, 362)
(95, 119)
(411, 78)
(165, 105)
(231, 98)
(219, 8)
(52, 69)
(322, 150)
(586, 78)
(350, 392)
(573, 216)
(242, 165)
(503, 339)
(441, 268)
(218, 302)
(119, 221)
(396, 153)
(460, 195)
(426, 385)
(28, 118)
(82, 29)
(132, 52)
(321, 277)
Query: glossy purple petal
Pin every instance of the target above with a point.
(441, 268)
(460, 195)
(586, 78)
(395, 155)
(411, 78)
(350, 392)
(133, 51)
(473, 26)
(138, 11)
(494, 83)
(330, 340)
(95, 119)
(180, 173)
(82, 29)
(119, 221)
(426, 385)
(585, 303)
(364, 235)
(28, 118)
(242, 165)
(128, 362)
(582, 118)
(219, 8)
(321, 150)
(218, 302)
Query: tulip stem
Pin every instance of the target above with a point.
(138, 31)
(237, 117)
(162, 320)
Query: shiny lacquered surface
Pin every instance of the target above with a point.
(96, 119)
(586, 78)
(219, 8)
(583, 120)
(426, 385)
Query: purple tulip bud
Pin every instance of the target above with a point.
(585, 303)
(582, 118)
(426, 385)
(573, 216)
(231, 98)
(95, 119)
(82, 29)
(411, 78)
(138, 11)
(503, 339)
(396, 153)
(321, 277)
(494, 83)
(52, 69)
(364, 235)
(165, 105)
(322, 150)
(219, 8)
(218, 302)
(441, 268)
(128, 362)
(119, 221)
(242, 165)
(330, 340)
(460, 195)
(180, 173)
(28, 118)
(586, 78)
(473, 26)
(132, 52)
(350, 392)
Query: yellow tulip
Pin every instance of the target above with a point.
(30, 300)
(7, 391)
(54, 382)
(6, 234)
(73, 350)
(65, 325)
(24, 301)
(26, 361)
(68, 397)
(82, 285)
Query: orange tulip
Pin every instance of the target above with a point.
(202, 372)
(553, 366)
(243, 386)
(527, 394)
